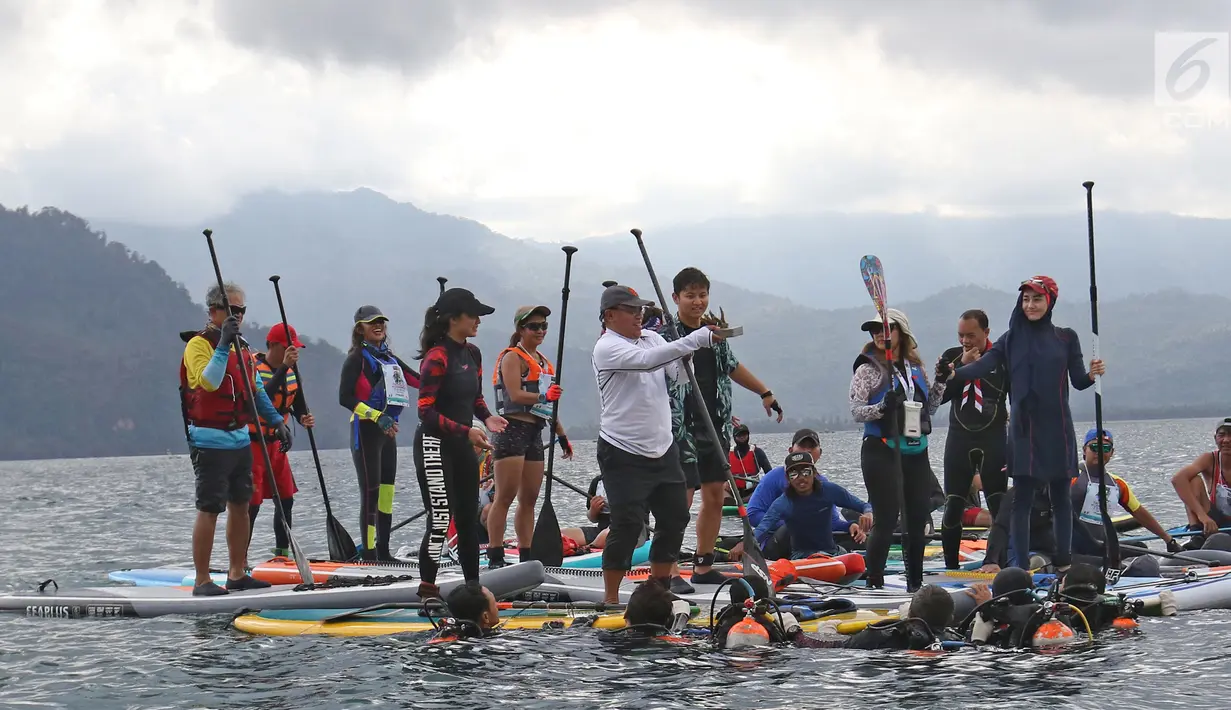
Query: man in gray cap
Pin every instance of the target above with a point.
(637, 454)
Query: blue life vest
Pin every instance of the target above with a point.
(909, 446)
(377, 360)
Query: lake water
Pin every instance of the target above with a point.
(75, 520)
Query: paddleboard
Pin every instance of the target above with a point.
(97, 602)
(280, 570)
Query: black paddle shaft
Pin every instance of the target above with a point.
(1111, 548)
(546, 545)
(336, 534)
(555, 406)
(752, 552)
(304, 570)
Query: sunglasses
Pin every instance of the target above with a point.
(876, 328)
(799, 473)
(536, 327)
(1106, 448)
(234, 310)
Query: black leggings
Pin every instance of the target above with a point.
(281, 540)
(1061, 519)
(448, 473)
(880, 476)
(376, 462)
(966, 455)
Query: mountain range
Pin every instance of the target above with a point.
(121, 294)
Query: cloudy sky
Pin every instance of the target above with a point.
(552, 119)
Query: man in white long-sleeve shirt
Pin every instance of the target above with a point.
(636, 450)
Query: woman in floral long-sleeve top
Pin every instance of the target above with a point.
(909, 396)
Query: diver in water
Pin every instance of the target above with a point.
(473, 613)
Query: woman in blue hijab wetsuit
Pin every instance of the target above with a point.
(1042, 448)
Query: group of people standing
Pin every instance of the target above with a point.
(655, 450)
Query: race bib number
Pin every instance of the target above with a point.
(542, 410)
(397, 390)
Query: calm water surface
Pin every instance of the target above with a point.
(75, 520)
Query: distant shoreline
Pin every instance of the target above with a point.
(588, 434)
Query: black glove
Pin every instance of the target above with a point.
(1173, 545)
(893, 399)
(230, 331)
(283, 432)
(565, 446)
(942, 370)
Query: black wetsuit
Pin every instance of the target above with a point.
(978, 413)
(450, 397)
(1042, 539)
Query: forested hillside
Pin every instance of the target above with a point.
(91, 349)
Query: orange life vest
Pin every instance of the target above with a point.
(283, 399)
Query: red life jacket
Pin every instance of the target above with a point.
(227, 407)
(746, 466)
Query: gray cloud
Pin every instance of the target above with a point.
(1101, 47)
(413, 37)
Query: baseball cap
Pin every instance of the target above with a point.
(805, 433)
(618, 295)
(1044, 285)
(460, 300)
(1093, 434)
(367, 314)
(278, 334)
(525, 311)
(1224, 424)
(740, 429)
(797, 459)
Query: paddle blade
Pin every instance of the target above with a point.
(301, 560)
(752, 559)
(341, 545)
(546, 545)
(874, 279)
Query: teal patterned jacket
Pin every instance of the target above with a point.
(681, 390)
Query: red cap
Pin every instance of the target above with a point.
(1044, 285)
(277, 334)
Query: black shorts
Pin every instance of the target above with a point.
(520, 438)
(708, 467)
(637, 486)
(223, 476)
(590, 532)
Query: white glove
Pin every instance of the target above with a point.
(681, 612)
(789, 623)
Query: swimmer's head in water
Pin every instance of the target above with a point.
(474, 603)
(1011, 579)
(1083, 582)
(649, 605)
(933, 605)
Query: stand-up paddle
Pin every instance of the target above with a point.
(874, 278)
(752, 558)
(1111, 548)
(301, 560)
(341, 544)
(546, 545)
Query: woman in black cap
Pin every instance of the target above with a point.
(375, 388)
(450, 397)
